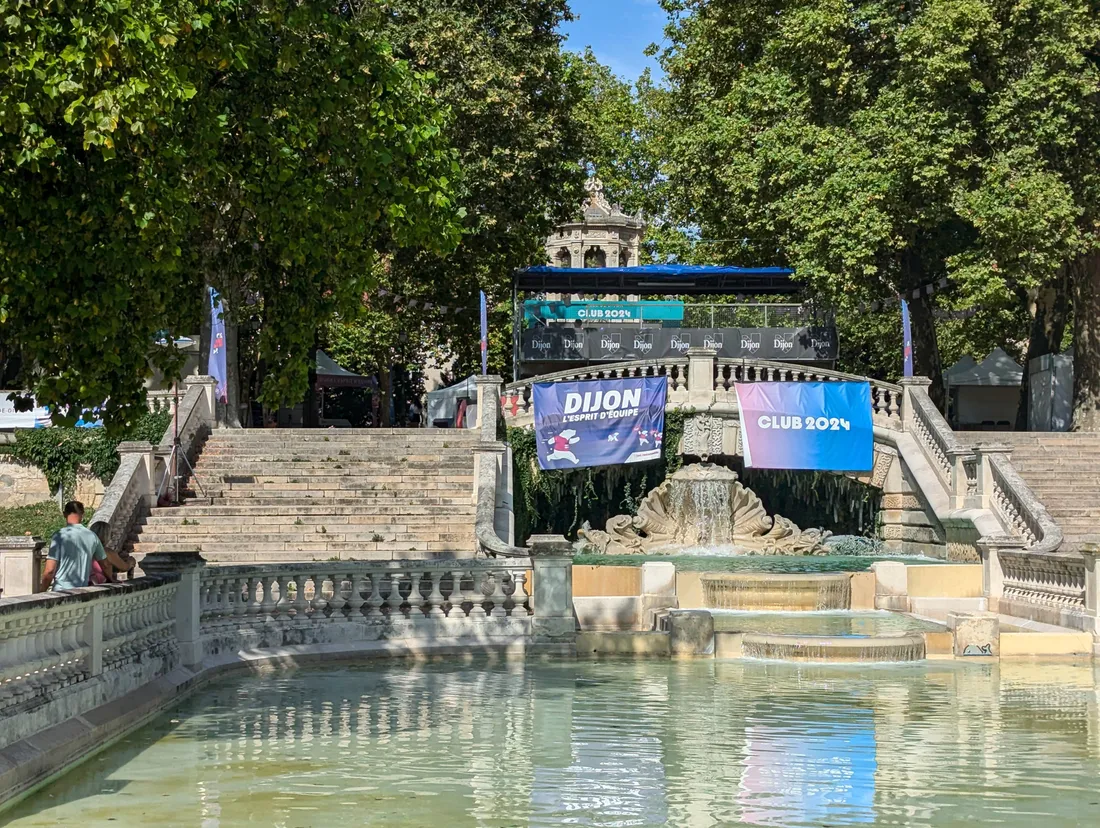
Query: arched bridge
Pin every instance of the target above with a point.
(940, 496)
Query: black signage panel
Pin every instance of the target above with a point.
(620, 343)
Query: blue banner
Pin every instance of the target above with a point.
(906, 340)
(484, 335)
(825, 426)
(599, 422)
(215, 365)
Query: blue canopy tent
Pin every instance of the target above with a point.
(656, 279)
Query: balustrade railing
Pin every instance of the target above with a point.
(366, 591)
(1054, 581)
(132, 490)
(1021, 513)
(886, 399)
(56, 641)
(933, 434)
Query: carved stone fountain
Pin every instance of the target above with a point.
(703, 506)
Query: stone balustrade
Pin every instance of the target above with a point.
(65, 654)
(1053, 588)
(700, 380)
(143, 472)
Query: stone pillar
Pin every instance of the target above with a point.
(908, 384)
(188, 612)
(552, 560)
(701, 377)
(146, 469)
(960, 499)
(975, 633)
(691, 633)
(986, 451)
(489, 389)
(993, 579)
(209, 386)
(1090, 552)
(20, 565)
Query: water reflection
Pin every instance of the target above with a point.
(607, 744)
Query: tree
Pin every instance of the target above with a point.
(882, 146)
(499, 68)
(272, 148)
(93, 193)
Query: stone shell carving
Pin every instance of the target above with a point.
(668, 519)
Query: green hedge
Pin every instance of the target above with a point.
(38, 519)
(59, 452)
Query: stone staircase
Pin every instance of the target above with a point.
(1063, 469)
(281, 495)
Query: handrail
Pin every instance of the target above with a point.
(934, 434)
(1020, 510)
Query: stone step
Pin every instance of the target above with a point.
(443, 475)
(375, 534)
(350, 463)
(238, 557)
(292, 490)
(253, 513)
(349, 550)
(289, 502)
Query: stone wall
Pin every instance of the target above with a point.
(22, 484)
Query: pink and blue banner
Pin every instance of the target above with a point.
(823, 426)
(599, 422)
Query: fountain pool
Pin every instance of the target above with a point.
(639, 743)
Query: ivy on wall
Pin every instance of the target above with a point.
(59, 452)
(559, 502)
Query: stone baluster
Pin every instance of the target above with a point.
(457, 596)
(300, 604)
(394, 600)
(477, 594)
(355, 599)
(283, 604)
(338, 602)
(520, 595)
(269, 606)
(246, 597)
(435, 598)
(320, 603)
(499, 596)
(374, 602)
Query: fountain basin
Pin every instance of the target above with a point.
(833, 648)
(765, 591)
(836, 624)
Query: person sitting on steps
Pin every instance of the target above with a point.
(72, 551)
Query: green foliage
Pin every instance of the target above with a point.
(272, 148)
(817, 499)
(58, 452)
(560, 501)
(878, 146)
(40, 520)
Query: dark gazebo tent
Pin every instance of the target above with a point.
(656, 279)
(331, 375)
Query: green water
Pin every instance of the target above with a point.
(652, 743)
(871, 623)
(752, 563)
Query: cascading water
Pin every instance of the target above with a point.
(784, 593)
(704, 506)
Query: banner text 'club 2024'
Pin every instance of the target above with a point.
(599, 422)
(822, 426)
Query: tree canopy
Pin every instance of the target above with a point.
(879, 146)
(276, 145)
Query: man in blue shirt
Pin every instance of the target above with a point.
(72, 550)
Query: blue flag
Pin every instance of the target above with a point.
(599, 422)
(215, 366)
(907, 340)
(484, 335)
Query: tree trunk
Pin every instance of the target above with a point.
(1050, 305)
(1086, 343)
(232, 374)
(310, 413)
(385, 388)
(926, 351)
